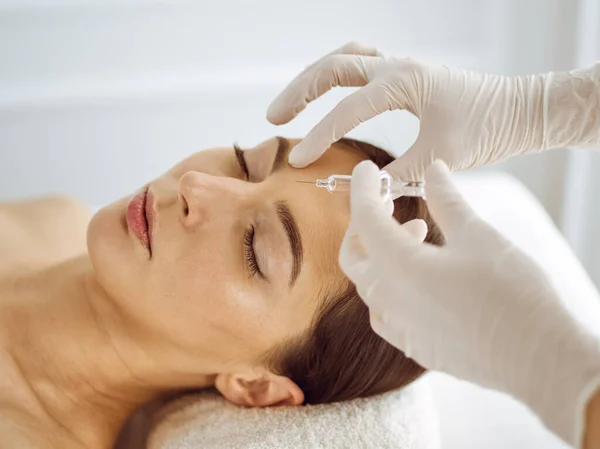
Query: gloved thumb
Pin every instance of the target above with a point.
(446, 204)
(372, 232)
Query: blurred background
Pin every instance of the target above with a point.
(99, 96)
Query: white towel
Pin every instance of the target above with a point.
(403, 419)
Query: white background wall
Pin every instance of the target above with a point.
(98, 96)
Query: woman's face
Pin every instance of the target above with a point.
(237, 261)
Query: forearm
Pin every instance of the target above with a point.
(540, 112)
(592, 426)
(570, 105)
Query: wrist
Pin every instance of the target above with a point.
(529, 98)
(570, 108)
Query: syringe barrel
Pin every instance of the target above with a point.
(397, 189)
(390, 189)
(341, 184)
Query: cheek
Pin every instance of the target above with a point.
(187, 289)
(201, 296)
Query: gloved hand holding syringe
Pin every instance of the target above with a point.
(491, 316)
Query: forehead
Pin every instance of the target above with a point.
(322, 216)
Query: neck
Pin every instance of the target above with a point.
(91, 364)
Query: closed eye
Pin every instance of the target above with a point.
(239, 155)
(250, 254)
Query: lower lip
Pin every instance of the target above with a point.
(136, 219)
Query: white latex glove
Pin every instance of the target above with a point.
(466, 118)
(477, 308)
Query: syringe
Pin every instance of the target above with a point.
(390, 189)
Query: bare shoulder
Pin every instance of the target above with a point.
(25, 433)
(54, 206)
(14, 434)
(42, 230)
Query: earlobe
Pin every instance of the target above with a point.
(259, 391)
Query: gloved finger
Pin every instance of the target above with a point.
(411, 166)
(353, 256)
(355, 263)
(353, 110)
(446, 204)
(335, 70)
(389, 207)
(365, 190)
(378, 231)
(294, 98)
(351, 48)
(355, 48)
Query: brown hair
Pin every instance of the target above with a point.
(341, 357)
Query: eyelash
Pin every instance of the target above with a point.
(239, 155)
(249, 253)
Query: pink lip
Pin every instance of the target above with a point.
(140, 218)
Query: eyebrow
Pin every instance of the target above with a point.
(282, 148)
(290, 227)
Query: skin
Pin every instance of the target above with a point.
(92, 326)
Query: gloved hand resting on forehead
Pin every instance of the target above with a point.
(467, 119)
(477, 308)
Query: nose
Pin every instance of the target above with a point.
(204, 197)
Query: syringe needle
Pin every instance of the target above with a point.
(306, 182)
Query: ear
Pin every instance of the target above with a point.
(259, 390)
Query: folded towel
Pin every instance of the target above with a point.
(403, 419)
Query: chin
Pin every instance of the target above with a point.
(108, 242)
